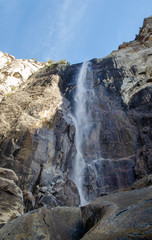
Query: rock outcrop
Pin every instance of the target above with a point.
(125, 215)
(56, 223)
(15, 72)
(37, 134)
(119, 216)
(11, 197)
(34, 131)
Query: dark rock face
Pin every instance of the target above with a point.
(113, 139)
(140, 114)
(118, 149)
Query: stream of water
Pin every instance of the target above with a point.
(81, 119)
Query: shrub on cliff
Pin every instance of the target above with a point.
(50, 62)
(63, 61)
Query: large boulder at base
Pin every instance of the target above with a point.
(121, 216)
(61, 223)
(11, 197)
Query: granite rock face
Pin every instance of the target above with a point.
(37, 134)
(120, 140)
(11, 197)
(14, 72)
(56, 223)
(126, 215)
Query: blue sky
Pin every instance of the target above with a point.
(75, 30)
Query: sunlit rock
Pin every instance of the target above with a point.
(15, 72)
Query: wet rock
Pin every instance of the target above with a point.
(67, 194)
(11, 197)
(126, 215)
(106, 176)
(57, 223)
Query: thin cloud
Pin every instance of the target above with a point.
(64, 28)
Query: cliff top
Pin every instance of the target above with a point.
(144, 38)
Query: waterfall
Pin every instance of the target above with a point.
(93, 173)
(81, 119)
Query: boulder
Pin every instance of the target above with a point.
(61, 223)
(143, 182)
(59, 194)
(126, 215)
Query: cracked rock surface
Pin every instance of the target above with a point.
(11, 197)
(15, 72)
(126, 215)
(57, 223)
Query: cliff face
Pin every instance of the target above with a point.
(37, 134)
(15, 72)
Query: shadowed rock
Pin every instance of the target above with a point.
(126, 215)
(11, 197)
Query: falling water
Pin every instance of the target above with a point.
(81, 122)
(93, 174)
